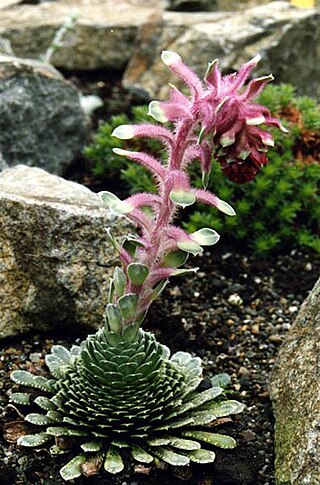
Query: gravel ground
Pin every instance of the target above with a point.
(234, 314)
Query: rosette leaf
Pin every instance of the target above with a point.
(125, 392)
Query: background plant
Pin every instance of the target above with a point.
(277, 210)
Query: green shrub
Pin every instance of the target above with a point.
(278, 210)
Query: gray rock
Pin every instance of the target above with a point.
(103, 37)
(41, 120)
(295, 392)
(285, 37)
(55, 258)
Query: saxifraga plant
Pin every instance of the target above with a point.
(120, 393)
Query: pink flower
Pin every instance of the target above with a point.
(228, 116)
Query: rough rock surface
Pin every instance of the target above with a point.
(295, 391)
(108, 34)
(102, 38)
(285, 37)
(41, 120)
(55, 258)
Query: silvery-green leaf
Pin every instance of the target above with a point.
(170, 57)
(174, 259)
(123, 132)
(20, 398)
(226, 408)
(54, 365)
(178, 423)
(182, 198)
(58, 431)
(55, 415)
(91, 446)
(205, 236)
(128, 305)
(114, 338)
(137, 273)
(220, 380)
(220, 440)
(27, 379)
(156, 112)
(73, 468)
(61, 353)
(202, 417)
(181, 358)
(115, 204)
(114, 317)
(170, 457)
(201, 456)
(120, 444)
(119, 281)
(39, 419)
(225, 207)
(158, 289)
(113, 462)
(44, 403)
(139, 454)
(184, 444)
(130, 332)
(34, 439)
(113, 240)
(56, 450)
(182, 271)
(189, 246)
(159, 441)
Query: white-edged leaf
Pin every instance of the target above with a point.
(123, 132)
(137, 273)
(182, 198)
(201, 456)
(220, 440)
(205, 236)
(141, 455)
(220, 380)
(22, 398)
(113, 462)
(189, 246)
(225, 207)
(34, 439)
(38, 419)
(91, 446)
(182, 271)
(170, 57)
(170, 457)
(184, 444)
(128, 305)
(115, 204)
(226, 408)
(73, 468)
(155, 110)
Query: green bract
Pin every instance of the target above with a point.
(115, 393)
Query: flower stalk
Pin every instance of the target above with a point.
(218, 119)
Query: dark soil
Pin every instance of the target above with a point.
(234, 314)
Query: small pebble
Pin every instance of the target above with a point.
(293, 309)
(248, 435)
(235, 299)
